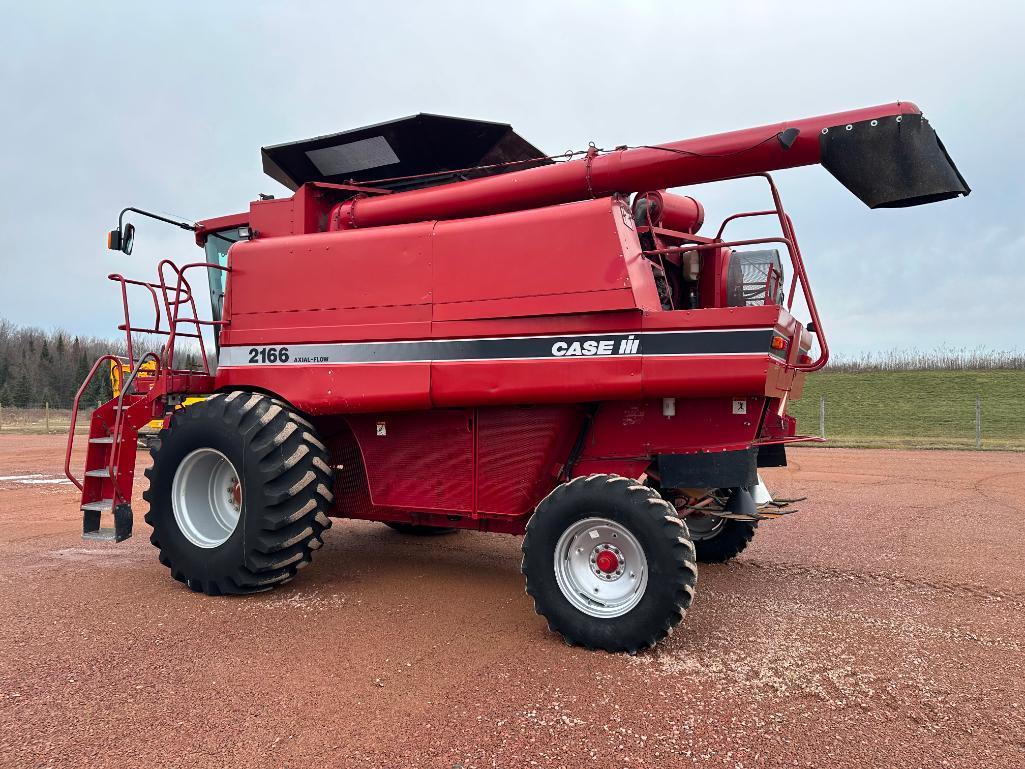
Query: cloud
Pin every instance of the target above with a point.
(165, 107)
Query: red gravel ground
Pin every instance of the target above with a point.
(881, 626)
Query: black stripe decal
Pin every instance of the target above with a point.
(653, 343)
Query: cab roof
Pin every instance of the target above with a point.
(440, 146)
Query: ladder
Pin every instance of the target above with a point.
(106, 485)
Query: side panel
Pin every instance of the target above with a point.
(420, 460)
(639, 429)
(331, 286)
(488, 468)
(520, 453)
(449, 466)
(534, 380)
(353, 388)
(564, 259)
(432, 314)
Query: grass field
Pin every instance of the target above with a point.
(915, 409)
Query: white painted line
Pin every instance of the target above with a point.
(19, 477)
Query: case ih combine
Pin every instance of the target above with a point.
(442, 328)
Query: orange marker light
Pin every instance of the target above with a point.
(779, 343)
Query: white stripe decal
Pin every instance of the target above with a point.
(548, 347)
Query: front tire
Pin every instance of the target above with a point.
(609, 564)
(238, 492)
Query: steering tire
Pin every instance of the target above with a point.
(609, 564)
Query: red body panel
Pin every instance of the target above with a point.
(305, 288)
(574, 269)
(446, 441)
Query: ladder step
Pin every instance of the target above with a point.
(101, 535)
(102, 473)
(92, 530)
(109, 439)
(100, 506)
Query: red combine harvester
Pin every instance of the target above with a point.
(442, 328)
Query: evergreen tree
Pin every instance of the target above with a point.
(22, 394)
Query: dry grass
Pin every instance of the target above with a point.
(940, 359)
(34, 421)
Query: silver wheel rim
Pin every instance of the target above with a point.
(600, 567)
(704, 526)
(206, 497)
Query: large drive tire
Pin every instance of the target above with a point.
(419, 530)
(222, 531)
(584, 541)
(718, 540)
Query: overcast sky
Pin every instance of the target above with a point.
(165, 106)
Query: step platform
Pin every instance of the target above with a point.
(91, 529)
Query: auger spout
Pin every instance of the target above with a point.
(888, 156)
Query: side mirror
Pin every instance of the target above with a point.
(122, 240)
(128, 239)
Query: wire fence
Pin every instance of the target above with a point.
(954, 424)
(43, 420)
(915, 409)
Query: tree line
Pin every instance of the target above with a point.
(39, 367)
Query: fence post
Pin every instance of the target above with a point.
(822, 416)
(47, 417)
(1, 416)
(978, 421)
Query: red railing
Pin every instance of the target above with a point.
(116, 360)
(173, 295)
(788, 239)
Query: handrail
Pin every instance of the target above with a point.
(786, 223)
(718, 244)
(182, 295)
(74, 412)
(744, 215)
(173, 295)
(115, 455)
(800, 272)
(181, 286)
(127, 327)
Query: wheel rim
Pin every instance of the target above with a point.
(600, 567)
(206, 497)
(704, 526)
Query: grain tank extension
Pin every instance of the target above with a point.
(443, 328)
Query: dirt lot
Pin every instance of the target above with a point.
(881, 626)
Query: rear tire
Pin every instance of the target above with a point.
(723, 543)
(239, 493)
(418, 530)
(585, 540)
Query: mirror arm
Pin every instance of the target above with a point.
(183, 225)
